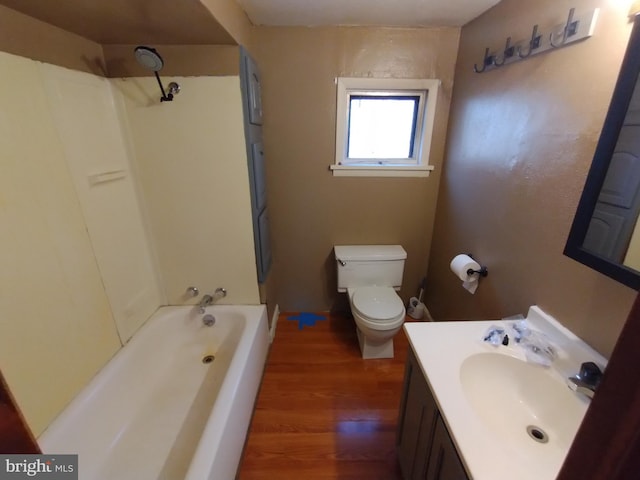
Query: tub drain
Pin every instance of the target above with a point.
(208, 359)
(537, 434)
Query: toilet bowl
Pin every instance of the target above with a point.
(379, 314)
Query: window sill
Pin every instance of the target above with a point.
(380, 171)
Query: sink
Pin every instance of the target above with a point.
(528, 407)
(508, 418)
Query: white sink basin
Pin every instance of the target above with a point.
(526, 405)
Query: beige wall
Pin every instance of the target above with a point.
(310, 210)
(31, 38)
(191, 160)
(520, 143)
(56, 327)
(232, 18)
(26, 36)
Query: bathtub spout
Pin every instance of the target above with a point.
(206, 300)
(209, 299)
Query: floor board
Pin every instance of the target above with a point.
(323, 412)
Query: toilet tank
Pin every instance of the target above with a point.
(369, 265)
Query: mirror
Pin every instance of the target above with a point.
(605, 234)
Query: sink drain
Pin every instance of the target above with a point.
(208, 359)
(537, 434)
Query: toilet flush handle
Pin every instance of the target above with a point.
(342, 262)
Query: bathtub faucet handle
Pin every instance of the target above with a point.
(193, 291)
(220, 292)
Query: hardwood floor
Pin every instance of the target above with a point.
(323, 412)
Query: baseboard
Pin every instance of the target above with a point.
(274, 322)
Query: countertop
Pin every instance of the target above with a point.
(440, 349)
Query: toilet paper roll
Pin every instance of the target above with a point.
(460, 265)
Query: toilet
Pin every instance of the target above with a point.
(371, 275)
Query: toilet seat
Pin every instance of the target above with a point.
(378, 305)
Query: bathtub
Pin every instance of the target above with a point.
(158, 410)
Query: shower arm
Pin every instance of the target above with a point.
(165, 97)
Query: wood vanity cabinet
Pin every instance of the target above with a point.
(424, 447)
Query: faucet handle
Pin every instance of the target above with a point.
(193, 291)
(590, 373)
(587, 380)
(220, 292)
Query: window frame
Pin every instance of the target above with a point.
(418, 164)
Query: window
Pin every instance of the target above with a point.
(384, 126)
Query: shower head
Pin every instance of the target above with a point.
(149, 58)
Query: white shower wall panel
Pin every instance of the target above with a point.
(191, 160)
(88, 125)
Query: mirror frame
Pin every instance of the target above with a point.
(622, 93)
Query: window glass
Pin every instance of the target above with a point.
(382, 126)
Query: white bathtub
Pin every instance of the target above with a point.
(156, 411)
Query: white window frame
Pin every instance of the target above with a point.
(418, 164)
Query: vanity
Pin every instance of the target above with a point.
(472, 410)
(425, 448)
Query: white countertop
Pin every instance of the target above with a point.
(440, 349)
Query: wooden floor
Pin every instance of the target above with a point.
(323, 412)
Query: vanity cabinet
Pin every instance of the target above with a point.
(425, 449)
(443, 463)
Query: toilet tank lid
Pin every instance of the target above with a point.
(369, 252)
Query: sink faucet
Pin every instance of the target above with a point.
(587, 380)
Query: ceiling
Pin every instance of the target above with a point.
(405, 13)
(189, 22)
(130, 22)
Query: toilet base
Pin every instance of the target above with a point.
(374, 350)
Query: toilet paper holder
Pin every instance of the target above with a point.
(483, 272)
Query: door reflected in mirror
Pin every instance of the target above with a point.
(605, 234)
(612, 230)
